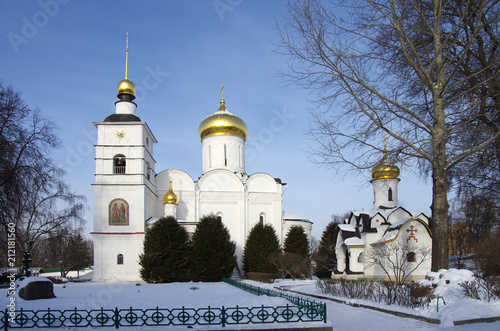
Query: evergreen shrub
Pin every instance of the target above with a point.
(164, 258)
(212, 254)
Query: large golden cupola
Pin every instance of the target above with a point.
(222, 122)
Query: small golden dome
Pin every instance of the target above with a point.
(385, 170)
(222, 122)
(170, 197)
(125, 86)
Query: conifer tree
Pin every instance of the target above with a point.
(212, 254)
(296, 241)
(325, 258)
(166, 247)
(262, 243)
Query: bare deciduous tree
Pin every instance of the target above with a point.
(33, 195)
(291, 265)
(392, 68)
(397, 259)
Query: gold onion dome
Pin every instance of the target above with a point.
(170, 197)
(125, 86)
(385, 170)
(222, 122)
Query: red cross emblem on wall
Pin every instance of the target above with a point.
(412, 231)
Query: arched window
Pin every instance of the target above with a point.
(119, 259)
(411, 257)
(361, 258)
(219, 216)
(119, 164)
(389, 194)
(262, 218)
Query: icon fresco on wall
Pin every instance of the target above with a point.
(118, 212)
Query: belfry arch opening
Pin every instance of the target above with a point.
(119, 164)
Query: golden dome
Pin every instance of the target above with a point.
(385, 170)
(125, 86)
(222, 122)
(170, 197)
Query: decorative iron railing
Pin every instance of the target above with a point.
(296, 300)
(158, 317)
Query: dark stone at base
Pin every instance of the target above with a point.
(37, 290)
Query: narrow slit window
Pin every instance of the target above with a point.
(389, 194)
(225, 155)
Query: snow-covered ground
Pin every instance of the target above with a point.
(457, 306)
(197, 295)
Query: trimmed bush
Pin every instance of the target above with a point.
(262, 242)
(296, 241)
(212, 252)
(164, 258)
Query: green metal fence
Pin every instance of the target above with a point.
(302, 310)
(296, 300)
(159, 317)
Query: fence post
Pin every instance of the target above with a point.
(6, 319)
(223, 316)
(117, 316)
(324, 312)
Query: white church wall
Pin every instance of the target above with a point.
(381, 192)
(220, 180)
(223, 152)
(398, 214)
(262, 182)
(108, 248)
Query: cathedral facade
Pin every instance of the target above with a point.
(130, 196)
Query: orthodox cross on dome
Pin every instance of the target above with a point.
(412, 231)
(126, 57)
(222, 90)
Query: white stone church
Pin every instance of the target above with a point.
(129, 195)
(402, 238)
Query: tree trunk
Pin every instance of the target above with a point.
(440, 206)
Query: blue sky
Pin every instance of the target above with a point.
(67, 57)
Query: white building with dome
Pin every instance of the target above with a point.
(402, 238)
(129, 195)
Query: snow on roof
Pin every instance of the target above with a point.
(289, 216)
(347, 227)
(388, 236)
(354, 241)
(396, 225)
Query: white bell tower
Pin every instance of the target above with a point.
(124, 189)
